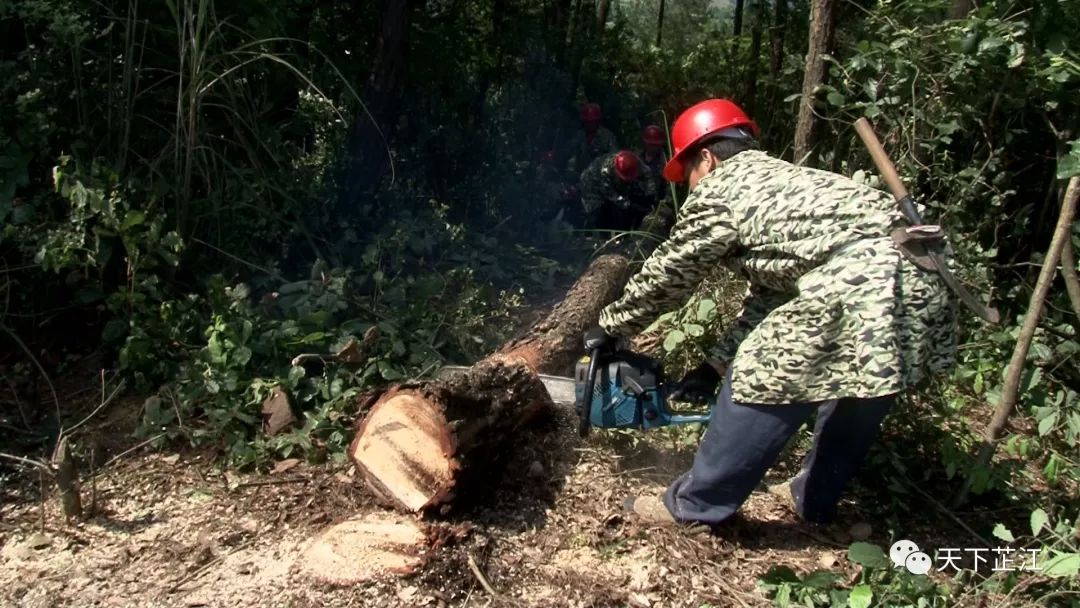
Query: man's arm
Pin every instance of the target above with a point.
(698, 242)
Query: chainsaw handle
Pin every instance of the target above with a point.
(881, 159)
(587, 397)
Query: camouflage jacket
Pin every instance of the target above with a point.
(657, 166)
(832, 309)
(602, 192)
(583, 152)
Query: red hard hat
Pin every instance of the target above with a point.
(699, 121)
(653, 135)
(590, 112)
(627, 166)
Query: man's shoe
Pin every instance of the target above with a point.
(650, 509)
(782, 491)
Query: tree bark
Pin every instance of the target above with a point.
(776, 37)
(420, 440)
(1072, 282)
(738, 17)
(750, 96)
(1014, 372)
(602, 15)
(822, 24)
(660, 25)
(368, 157)
(960, 9)
(552, 345)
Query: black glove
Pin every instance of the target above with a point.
(698, 386)
(597, 338)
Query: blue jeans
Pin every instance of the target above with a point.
(743, 441)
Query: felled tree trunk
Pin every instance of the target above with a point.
(553, 344)
(419, 439)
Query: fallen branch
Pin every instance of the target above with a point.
(480, 577)
(41, 368)
(210, 564)
(1011, 389)
(27, 461)
(105, 402)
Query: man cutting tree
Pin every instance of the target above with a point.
(835, 321)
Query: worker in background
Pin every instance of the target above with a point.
(836, 321)
(652, 153)
(617, 192)
(593, 141)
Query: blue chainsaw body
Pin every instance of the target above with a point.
(629, 391)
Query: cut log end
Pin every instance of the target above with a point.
(363, 550)
(405, 450)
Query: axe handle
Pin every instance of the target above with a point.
(881, 159)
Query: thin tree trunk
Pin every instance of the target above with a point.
(1068, 273)
(738, 17)
(822, 24)
(960, 9)
(368, 158)
(1011, 389)
(660, 25)
(602, 15)
(776, 37)
(750, 97)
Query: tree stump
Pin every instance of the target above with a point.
(418, 438)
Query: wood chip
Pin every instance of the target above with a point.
(285, 465)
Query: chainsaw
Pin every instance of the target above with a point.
(615, 389)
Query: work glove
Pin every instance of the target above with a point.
(697, 386)
(597, 338)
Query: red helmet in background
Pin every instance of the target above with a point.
(653, 135)
(712, 117)
(627, 166)
(590, 112)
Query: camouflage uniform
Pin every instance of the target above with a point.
(832, 311)
(612, 203)
(660, 220)
(584, 151)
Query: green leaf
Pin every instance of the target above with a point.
(388, 372)
(861, 596)
(1062, 565)
(132, 219)
(1000, 531)
(1069, 165)
(836, 99)
(867, 555)
(1047, 424)
(778, 575)
(114, 330)
(241, 356)
(706, 310)
(1038, 520)
(694, 330)
(674, 339)
(821, 579)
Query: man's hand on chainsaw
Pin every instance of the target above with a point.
(698, 386)
(597, 338)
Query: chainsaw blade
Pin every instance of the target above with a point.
(559, 388)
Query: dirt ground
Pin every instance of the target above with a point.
(171, 529)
